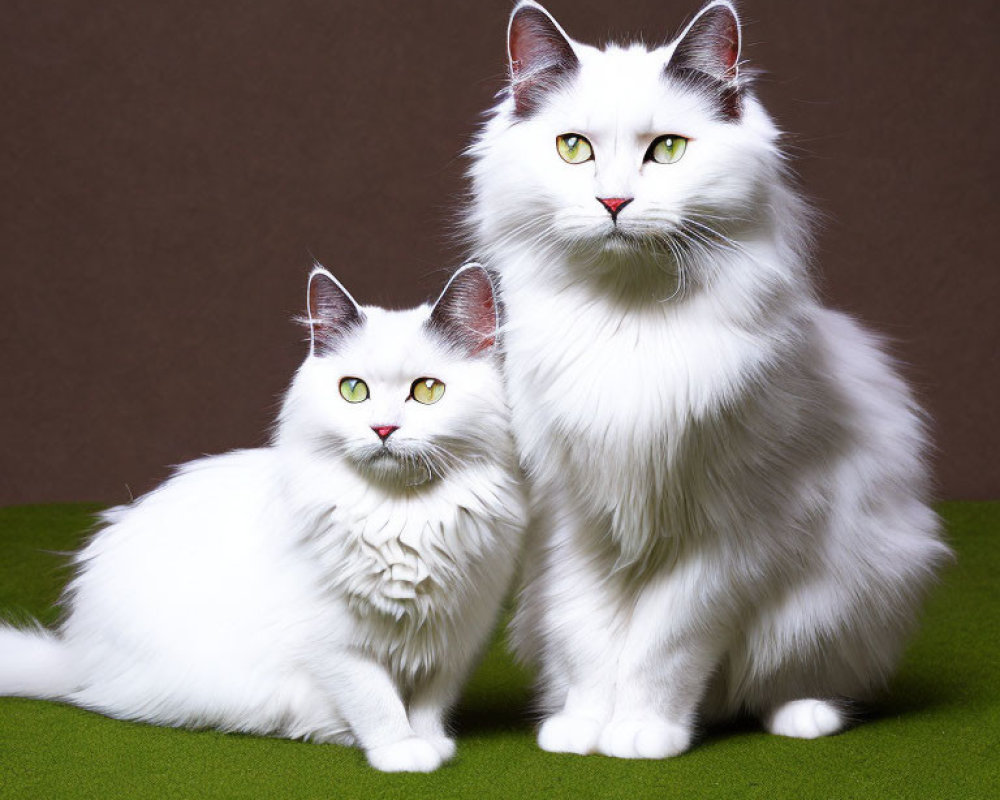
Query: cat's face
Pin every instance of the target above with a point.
(609, 151)
(402, 396)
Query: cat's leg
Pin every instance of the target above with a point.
(369, 701)
(431, 702)
(788, 687)
(676, 637)
(433, 698)
(428, 709)
(576, 622)
(836, 637)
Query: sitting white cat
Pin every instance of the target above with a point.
(337, 585)
(729, 481)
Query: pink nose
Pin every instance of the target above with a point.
(614, 204)
(383, 431)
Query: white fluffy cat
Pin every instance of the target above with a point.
(337, 585)
(729, 480)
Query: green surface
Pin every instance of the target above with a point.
(935, 736)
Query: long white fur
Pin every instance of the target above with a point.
(729, 483)
(297, 590)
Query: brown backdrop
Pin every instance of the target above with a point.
(170, 169)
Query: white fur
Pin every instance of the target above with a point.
(306, 589)
(728, 480)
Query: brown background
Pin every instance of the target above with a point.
(170, 168)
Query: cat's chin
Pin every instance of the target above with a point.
(612, 242)
(629, 256)
(393, 469)
(619, 240)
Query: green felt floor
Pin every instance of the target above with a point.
(937, 735)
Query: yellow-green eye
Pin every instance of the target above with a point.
(354, 390)
(427, 390)
(573, 148)
(667, 149)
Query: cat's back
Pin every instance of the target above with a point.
(207, 503)
(863, 390)
(207, 539)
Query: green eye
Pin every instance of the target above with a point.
(427, 390)
(573, 148)
(354, 390)
(667, 149)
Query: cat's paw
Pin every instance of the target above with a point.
(644, 738)
(407, 755)
(568, 733)
(430, 728)
(444, 746)
(805, 719)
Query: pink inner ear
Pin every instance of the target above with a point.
(518, 46)
(722, 34)
(484, 316)
(539, 56)
(466, 312)
(727, 45)
(535, 43)
(332, 311)
(711, 45)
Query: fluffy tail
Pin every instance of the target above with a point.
(35, 663)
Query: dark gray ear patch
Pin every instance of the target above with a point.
(466, 314)
(333, 313)
(541, 58)
(706, 58)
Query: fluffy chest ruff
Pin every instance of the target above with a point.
(417, 569)
(622, 406)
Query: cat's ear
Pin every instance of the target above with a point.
(333, 313)
(541, 55)
(466, 313)
(708, 51)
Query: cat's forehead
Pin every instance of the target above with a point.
(607, 71)
(392, 345)
(626, 88)
(381, 323)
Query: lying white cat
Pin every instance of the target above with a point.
(337, 585)
(729, 480)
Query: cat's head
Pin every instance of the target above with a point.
(403, 397)
(616, 151)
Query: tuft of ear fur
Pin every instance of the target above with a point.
(708, 52)
(541, 55)
(466, 313)
(333, 313)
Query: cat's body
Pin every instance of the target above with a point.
(319, 587)
(728, 480)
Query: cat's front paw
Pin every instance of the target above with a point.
(644, 738)
(407, 755)
(569, 733)
(444, 746)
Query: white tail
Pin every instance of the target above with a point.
(34, 663)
